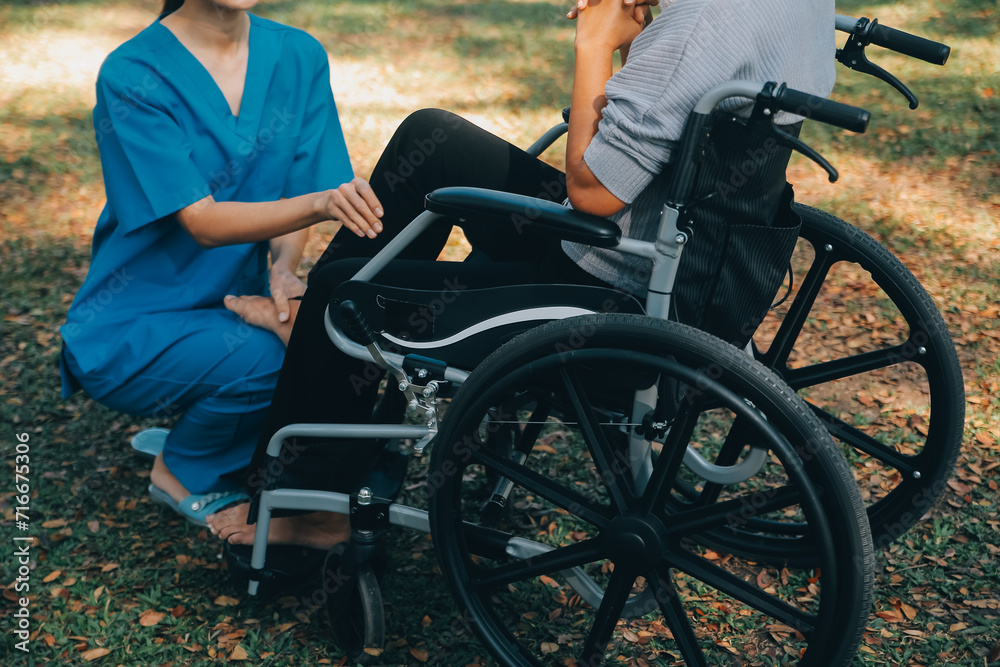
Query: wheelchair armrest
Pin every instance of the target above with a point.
(541, 215)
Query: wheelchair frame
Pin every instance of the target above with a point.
(664, 252)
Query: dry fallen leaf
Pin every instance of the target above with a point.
(892, 615)
(150, 617)
(95, 653)
(549, 647)
(51, 576)
(420, 654)
(238, 653)
(226, 601)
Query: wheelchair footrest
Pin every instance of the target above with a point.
(288, 568)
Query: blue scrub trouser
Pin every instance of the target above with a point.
(219, 375)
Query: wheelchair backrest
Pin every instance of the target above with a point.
(742, 231)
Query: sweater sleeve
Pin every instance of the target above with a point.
(692, 46)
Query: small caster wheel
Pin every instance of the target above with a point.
(354, 605)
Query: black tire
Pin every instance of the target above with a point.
(584, 373)
(926, 353)
(354, 607)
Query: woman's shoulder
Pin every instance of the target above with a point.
(136, 59)
(290, 39)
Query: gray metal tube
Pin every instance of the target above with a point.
(395, 246)
(342, 431)
(712, 99)
(846, 23)
(547, 139)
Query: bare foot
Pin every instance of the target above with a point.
(260, 311)
(319, 530)
(165, 480)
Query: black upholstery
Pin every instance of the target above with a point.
(540, 215)
(411, 321)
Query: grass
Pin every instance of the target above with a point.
(112, 571)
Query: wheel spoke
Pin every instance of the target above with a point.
(729, 454)
(533, 428)
(731, 585)
(562, 558)
(675, 617)
(730, 514)
(791, 326)
(613, 473)
(838, 369)
(671, 456)
(863, 442)
(567, 499)
(612, 604)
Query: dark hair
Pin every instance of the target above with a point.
(171, 6)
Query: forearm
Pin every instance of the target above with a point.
(286, 251)
(214, 224)
(594, 62)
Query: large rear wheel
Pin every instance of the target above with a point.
(554, 547)
(864, 344)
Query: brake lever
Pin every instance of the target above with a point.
(795, 144)
(853, 56)
(762, 121)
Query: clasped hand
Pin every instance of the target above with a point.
(612, 22)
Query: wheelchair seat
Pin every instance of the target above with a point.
(464, 326)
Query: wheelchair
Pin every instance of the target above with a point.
(595, 462)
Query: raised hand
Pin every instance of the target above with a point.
(607, 24)
(641, 11)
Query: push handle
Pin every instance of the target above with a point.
(871, 32)
(357, 327)
(823, 110)
(914, 46)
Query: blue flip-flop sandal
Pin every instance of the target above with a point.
(196, 507)
(148, 444)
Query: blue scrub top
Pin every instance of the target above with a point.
(168, 139)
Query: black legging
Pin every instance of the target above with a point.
(320, 384)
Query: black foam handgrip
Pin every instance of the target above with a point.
(823, 110)
(910, 45)
(357, 327)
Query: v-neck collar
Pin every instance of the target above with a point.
(260, 63)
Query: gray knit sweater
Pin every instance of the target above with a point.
(692, 46)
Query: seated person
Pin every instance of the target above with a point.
(622, 133)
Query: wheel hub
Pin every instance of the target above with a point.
(635, 541)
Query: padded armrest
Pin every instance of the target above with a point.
(541, 215)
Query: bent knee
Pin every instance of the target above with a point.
(429, 119)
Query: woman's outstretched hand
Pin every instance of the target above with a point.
(355, 205)
(641, 12)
